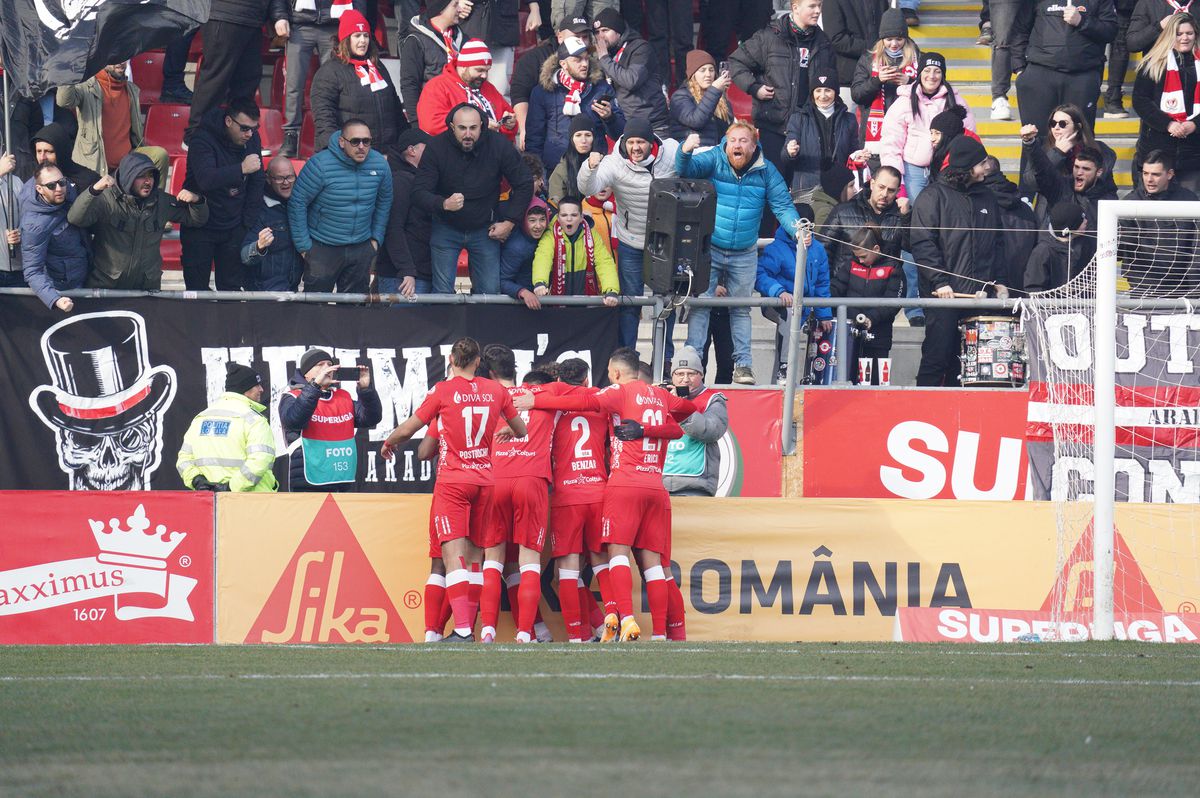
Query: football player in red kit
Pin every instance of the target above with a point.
(580, 473)
(521, 500)
(636, 512)
(468, 410)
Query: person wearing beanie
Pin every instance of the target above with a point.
(631, 66)
(693, 462)
(776, 277)
(701, 105)
(641, 157)
(434, 38)
(959, 248)
(943, 130)
(527, 72)
(853, 26)
(354, 85)
(1058, 255)
(564, 180)
(572, 94)
(821, 135)
(773, 67)
(890, 63)
(314, 29)
(516, 256)
(464, 80)
(320, 421)
(404, 265)
(232, 54)
(1058, 53)
(235, 432)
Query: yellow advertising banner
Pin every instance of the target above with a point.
(317, 568)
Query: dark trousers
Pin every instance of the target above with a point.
(1118, 62)
(940, 365)
(670, 27)
(203, 249)
(232, 66)
(12, 279)
(722, 18)
(720, 338)
(1041, 90)
(348, 268)
(174, 62)
(772, 147)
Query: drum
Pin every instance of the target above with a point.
(993, 351)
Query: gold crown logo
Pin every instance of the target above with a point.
(137, 545)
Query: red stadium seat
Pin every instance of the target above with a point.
(463, 270)
(165, 125)
(308, 136)
(146, 73)
(381, 36)
(170, 249)
(178, 174)
(298, 164)
(740, 102)
(270, 129)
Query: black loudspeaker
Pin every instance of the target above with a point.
(679, 235)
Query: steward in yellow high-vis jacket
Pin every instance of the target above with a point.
(229, 446)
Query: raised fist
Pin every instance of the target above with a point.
(251, 164)
(104, 183)
(594, 160)
(454, 202)
(691, 142)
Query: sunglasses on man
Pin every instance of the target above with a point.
(359, 142)
(54, 185)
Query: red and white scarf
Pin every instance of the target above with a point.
(574, 93)
(558, 269)
(1172, 103)
(1180, 8)
(620, 52)
(476, 98)
(875, 115)
(368, 74)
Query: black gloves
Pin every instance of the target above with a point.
(628, 430)
(200, 483)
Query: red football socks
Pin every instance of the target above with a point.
(676, 625)
(622, 585)
(568, 598)
(528, 595)
(656, 592)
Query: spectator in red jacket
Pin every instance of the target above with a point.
(465, 81)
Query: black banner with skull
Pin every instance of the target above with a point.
(48, 43)
(100, 399)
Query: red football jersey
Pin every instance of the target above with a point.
(633, 464)
(467, 412)
(527, 456)
(579, 455)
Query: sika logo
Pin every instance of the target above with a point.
(329, 592)
(131, 560)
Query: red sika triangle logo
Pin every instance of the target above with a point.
(329, 592)
(1075, 587)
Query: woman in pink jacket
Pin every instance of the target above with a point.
(904, 142)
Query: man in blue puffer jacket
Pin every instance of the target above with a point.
(745, 182)
(339, 211)
(54, 252)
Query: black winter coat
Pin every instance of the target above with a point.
(953, 238)
(527, 72)
(775, 56)
(280, 267)
(1042, 37)
(296, 411)
(251, 13)
(405, 251)
(1053, 185)
(1143, 24)
(422, 58)
(1152, 134)
(853, 28)
(1020, 228)
(337, 95)
(1158, 254)
(214, 171)
(865, 88)
(1053, 262)
(843, 220)
(636, 80)
(689, 116)
(320, 14)
(819, 151)
(1057, 161)
(446, 169)
(494, 21)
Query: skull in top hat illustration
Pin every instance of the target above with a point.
(105, 403)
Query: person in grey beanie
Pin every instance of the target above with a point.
(693, 462)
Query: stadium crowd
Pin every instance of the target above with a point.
(527, 134)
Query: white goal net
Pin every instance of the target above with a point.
(1113, 430)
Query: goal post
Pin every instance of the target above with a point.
(1104, 395)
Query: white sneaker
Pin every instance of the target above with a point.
(1001, 110)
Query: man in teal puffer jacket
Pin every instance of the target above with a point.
(339, 211)
(745, 182)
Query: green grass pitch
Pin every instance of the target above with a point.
(682, 719)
